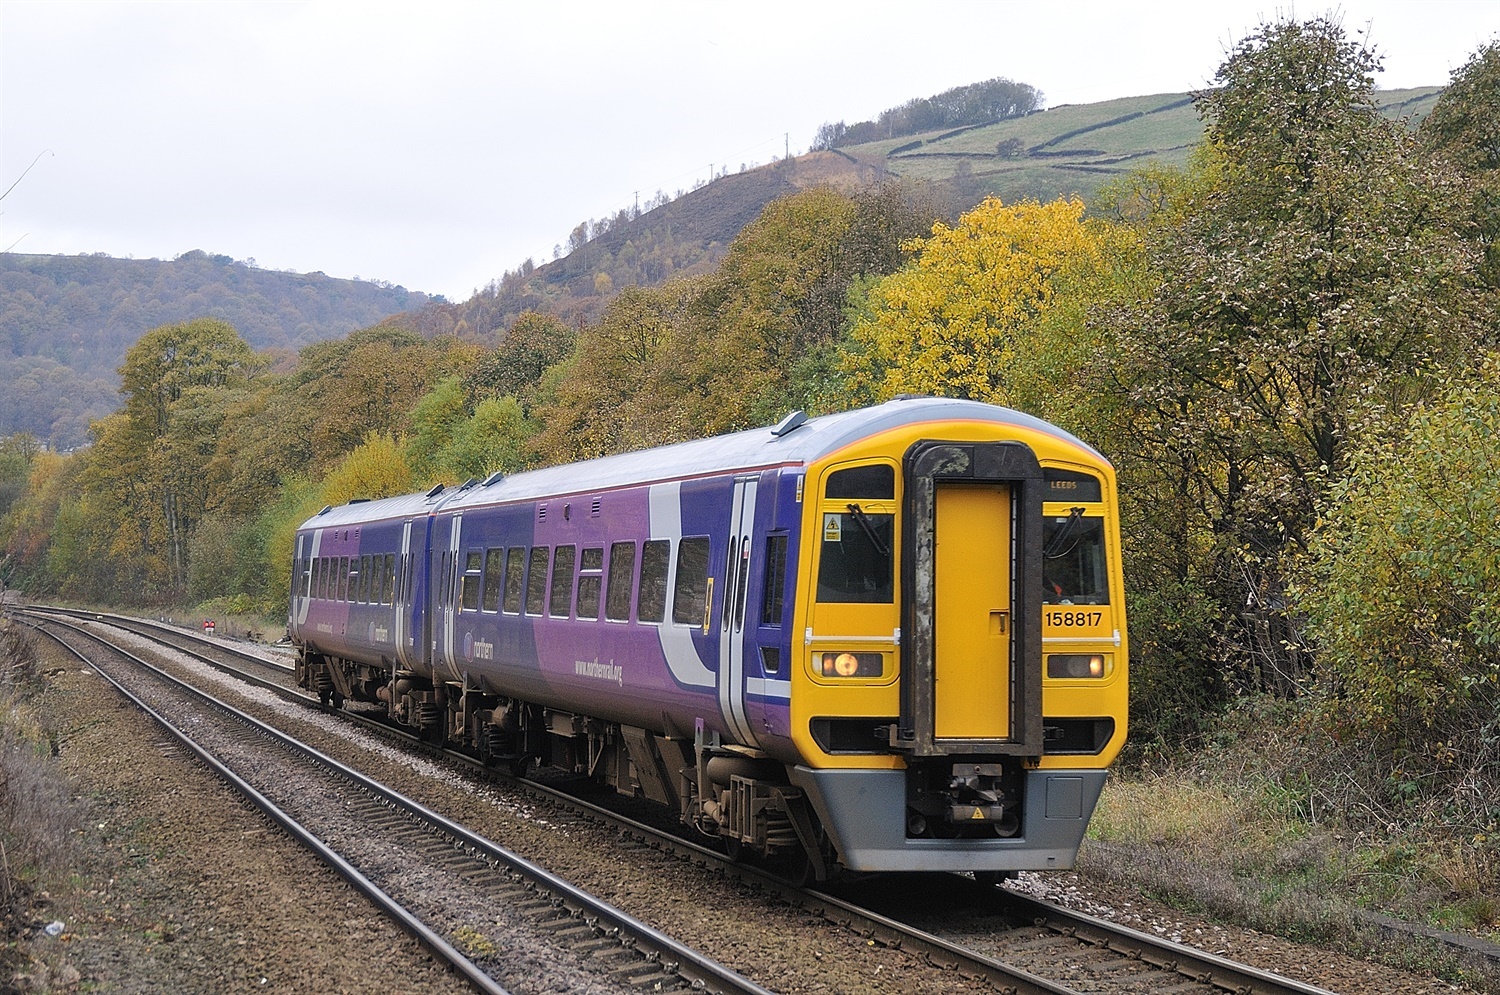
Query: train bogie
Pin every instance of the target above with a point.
(891, 639)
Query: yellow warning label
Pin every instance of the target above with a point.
(978, 814)
(833, 528)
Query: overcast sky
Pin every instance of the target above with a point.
(436, 145)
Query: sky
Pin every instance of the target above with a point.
(437, 145)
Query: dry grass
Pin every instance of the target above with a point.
(1282, 829)
(36, 815)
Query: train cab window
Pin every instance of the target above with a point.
(656, 556)
(560, 603)
(773, 601)
(388, 590)
(621, 582)
(515, 567)
(468, 594)
(854, 565)
(1073, 562)
(494, 578)
(536, 580)
(690, 593)
(590, 581)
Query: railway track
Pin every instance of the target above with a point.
(450, 888)
(1001, 940)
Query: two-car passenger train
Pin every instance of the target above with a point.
(891, 639)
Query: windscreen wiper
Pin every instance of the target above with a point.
(863, 520)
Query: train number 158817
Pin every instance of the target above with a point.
(1074, 618)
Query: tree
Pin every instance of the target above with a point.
(983, 305)
(1310, 277)
(1464, 128)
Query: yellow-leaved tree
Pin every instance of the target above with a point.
(993, 309)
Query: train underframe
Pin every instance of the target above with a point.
(738, 796)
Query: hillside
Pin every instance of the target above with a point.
(66, 322)
(1071, 149)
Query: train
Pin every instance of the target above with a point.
(890, 639)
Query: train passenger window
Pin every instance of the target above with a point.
(590, 564)
(1073, 563)
(325, 582)
(874, 482)
(469, 591)
(854, 565)
(561, 602)
(364, 578)
(593, 558)
(773, 602)
(690, 593)
(536, 580)
(377, 578)
(388, 592)
(621, 581)
(343, 578)
(317, 576)
(655, 558)
(494, 573)
(515, 565)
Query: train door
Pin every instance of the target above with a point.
(973, 611)
(448, 599)
(301, 588)
(734, 636)
(403, 599)
(971, 635)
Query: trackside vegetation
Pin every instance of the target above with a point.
(1288, 348)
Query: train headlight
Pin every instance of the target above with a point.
(850, 664)
(1077, 665)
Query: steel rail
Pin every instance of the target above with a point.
(1190, 962)
(701, 972)
(427, 937)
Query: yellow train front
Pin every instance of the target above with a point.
(960, 687)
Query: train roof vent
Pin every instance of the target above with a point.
(326, 509)
(594, 508)
(359, 500)
(435, 491)
(468, 483)
(790, 423)
(493, 478)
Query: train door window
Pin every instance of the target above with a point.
(690, 593)
(742, 585)
(515, 566)
(560, 603)
(536, 580)
(469, 592)
(388, 591)
(655, 557)
(590, 580)
(621, 582)
(377, 578)
(729, 575)
(773, 601)
(364, 578)
(494, 579)
(343, 578)
(445, 578)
